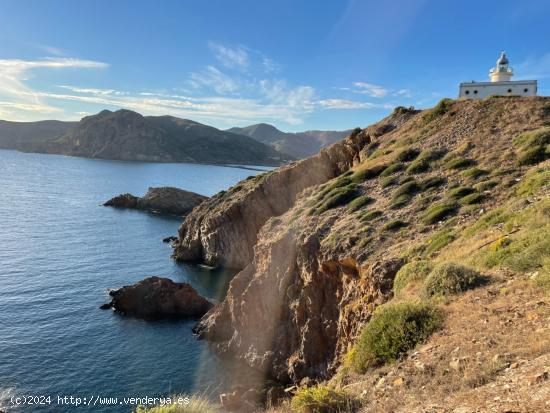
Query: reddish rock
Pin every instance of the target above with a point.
(156, 297)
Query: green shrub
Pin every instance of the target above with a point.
(439, 212)
(321, 399)
(341, 197)
(474, 173)
(339, 182)
(460, 192)
(393, 330)
(407, 155)
(408, 188)
(432, 182)
(400, 201)
(394, 225)
(371, 215)
(388, 181)
(450, 278)
(533, 181)
(405, 179)
(412, 272)
(459, 163)
(471, 199)
(418, 166)
(196, 404)
(438, 110)
(394, 167)
(360, 202)
(533, 155)
(355, 132)
(485, 185)
(535, 137)
(438, 241)
(367, 173)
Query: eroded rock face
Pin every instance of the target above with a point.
(163, 200)
(155, 298)
(224, 229)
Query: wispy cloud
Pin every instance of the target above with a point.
(351, 104)
(214, 78)
(534, 67)
(15, 72)
(232, 57)
(370, 89)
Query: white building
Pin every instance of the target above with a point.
(500, 84)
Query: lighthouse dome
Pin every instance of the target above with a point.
(502, 60)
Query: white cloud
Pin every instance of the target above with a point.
(534, 67)
(214, 78)
(270, 65)
(351, 104)
(405, 93)
(232, 57)
(370, 89)
(15, 72)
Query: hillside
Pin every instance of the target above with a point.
(427, 227)
(15, 135)
(129, 136)
(298, 145)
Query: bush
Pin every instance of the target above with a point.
(439, 212)
(449, 278)
(418, 166)
(197, 404)
(407, 155)
(321, 399)
(533, 155)
(355, 132)
(459, 163)
(394, 225)
(394, 167)
(471, 199)
(533, 181)
(460, 192)
(388, 181)
(438, 241)
(371, 215)
(474, 173)
(359, 203)
(412, 272)
(341, 197)
(535, 137)
(339, 182)
(438, 110)
(393, 330)
(367, 173)
(432, 182)
(485, 185)
(408, 188)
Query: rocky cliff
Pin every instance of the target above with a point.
(321, 240)
(223, 230)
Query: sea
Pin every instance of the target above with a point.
(60, 253)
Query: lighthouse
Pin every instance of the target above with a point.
(501, 83)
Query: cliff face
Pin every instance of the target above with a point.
(224, 229)
(315, 271)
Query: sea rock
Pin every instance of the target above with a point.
(155, 297)
(169, 239)
(162, 200)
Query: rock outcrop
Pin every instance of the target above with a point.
(313, 276)
(156, 298)
(163, 200)
(223, 230)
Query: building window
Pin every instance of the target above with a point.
(467, 92)
(525, 90)
(509, 90)
(475, 92)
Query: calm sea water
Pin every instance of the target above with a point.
(60, 251)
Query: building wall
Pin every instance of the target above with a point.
(480, 90)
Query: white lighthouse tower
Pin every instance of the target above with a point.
(501, 83)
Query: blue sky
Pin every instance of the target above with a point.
(296, 64)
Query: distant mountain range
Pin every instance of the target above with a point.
(127, 135)
(298, 145)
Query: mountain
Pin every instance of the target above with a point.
(403, 268)
(15, 135)
(129, 136)
(298, 145)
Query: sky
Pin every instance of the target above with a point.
(299, 65)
